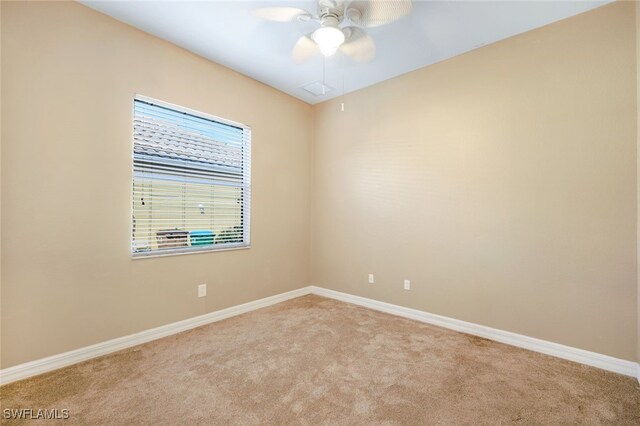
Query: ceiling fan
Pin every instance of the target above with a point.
(342, 24)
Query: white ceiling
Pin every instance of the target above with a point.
(226, 33)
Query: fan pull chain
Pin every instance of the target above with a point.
(324, 73)
(342, 103)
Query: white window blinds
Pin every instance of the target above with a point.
(191, 181)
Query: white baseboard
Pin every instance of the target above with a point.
(582, 356)
(32, 368)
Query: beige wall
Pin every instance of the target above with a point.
(501, 182)
(69, 75)
(0, 186)
(637, 3)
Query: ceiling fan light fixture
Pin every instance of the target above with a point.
(329, 39)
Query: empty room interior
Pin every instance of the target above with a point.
(319, 212)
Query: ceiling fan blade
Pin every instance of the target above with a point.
(359, 45)
(373, 13)
(304, 49)
(279, 14)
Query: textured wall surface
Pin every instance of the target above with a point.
(69, 75)
(501, 182)
(638, 157)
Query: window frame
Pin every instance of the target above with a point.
(246, 190)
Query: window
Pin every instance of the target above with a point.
(191, 181)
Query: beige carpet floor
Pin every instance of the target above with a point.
(316, 361)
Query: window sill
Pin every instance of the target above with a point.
(179, 252)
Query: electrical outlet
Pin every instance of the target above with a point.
(371, 281)
(407, 285)
(202, 290)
